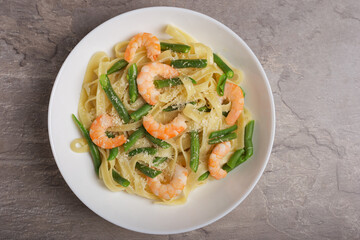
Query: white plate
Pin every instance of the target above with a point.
(209, 202)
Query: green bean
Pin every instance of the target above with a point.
(94, 151)
(159, 160)
(148, 150)
(225, 68)
(170, 82)
(189, 63)
(131, 77)
(142, 111)
(171, 108)
(243, 92)
(249, 129)
(207, 109)
(117, 66)
(113, 153)
(235, 157)
(221, 84)
(223, 131)
(192, 80)
(204, 176)
(167, 82)
(194, 150)
(114, 99)
(119, 179)
(204, 109)
(110, 135)
(133, 138)
(227, 168)
(146, 170)
(225, 114)
(175, 47)
(157, 141)
(224, 138)
(176, 107)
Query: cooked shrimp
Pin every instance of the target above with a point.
(148, 40)
(146, 76)
(98, 135)
(220, 151)
(234, 93)
(173, 188)
(164, 131)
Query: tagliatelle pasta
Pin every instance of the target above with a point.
(200, 105)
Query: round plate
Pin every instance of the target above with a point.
(207, 203)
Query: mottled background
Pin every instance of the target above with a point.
(311, 53)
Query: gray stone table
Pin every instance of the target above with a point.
(311, 53)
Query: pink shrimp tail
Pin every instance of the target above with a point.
(145, 80)
(234, 93)
(220, 151)
(98, 133)
(164, 131)
(172, 189)
(148, 40)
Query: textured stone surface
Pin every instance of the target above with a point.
(311, 53)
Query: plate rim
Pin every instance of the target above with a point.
(272, 110)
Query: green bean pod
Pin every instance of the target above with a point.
(114, 99)
(109, 134)
(225, 68)
(224, 138)
(235, 157)
(157, 141)
(223, 131)
(142, 111)
(221, 85)
(249, 129)
(204, 109)
(167, 82)
(243, 92)
(146, 170)
(170, 82)
(176, 107)
(159, 160)
(119, 179)
(227, 168)
(225, 114)
(133, 138)
(113, 153)
(194, 150)
(204, 176)
(117, 66)
(171, 108)
(94, 151)
(131, 77)
(174, 47)
(189, 63)
(148, 150)
(192, 80)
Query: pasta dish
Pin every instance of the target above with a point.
(162, 117)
